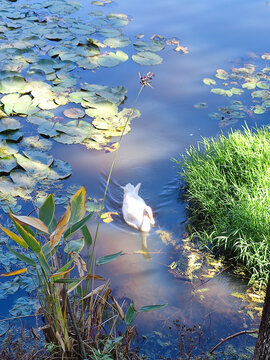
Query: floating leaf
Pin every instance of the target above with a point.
(154, 45)
(11, 84)
(112, 59)
(147, 58)
(7, 124)
(208, 81)
(74, 113)
(7, 164)
(59, 170)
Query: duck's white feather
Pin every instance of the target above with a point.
(135, 211)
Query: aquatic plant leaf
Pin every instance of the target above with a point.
(153, 45)
(31, 221)
(74, 246)
(147, 58)
(152, 307)
(106, 259)
(59, 170)
(130, 314)
(117, 42)
(208, 81)
(7, 149)
(33, 244)
(103, 109)
(78, 205)
(259, 109)
(47, 128)
(12, 273)
(107, 216)
(78, 225)
(35, 142)
(12, 84)
(40, 156)
(46, 211)
(219, 91)
(24, 106)
(22, 179)
(9, 101)
(74, 113)
(14, 237)
(86, 234)
(7, 164)
(7, 124)
(112, 59)
(34, 168)
(61, 227)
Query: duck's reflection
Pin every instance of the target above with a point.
(145, 251)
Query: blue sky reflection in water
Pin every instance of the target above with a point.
(219, 34)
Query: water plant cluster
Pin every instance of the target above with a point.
(227, 187)
(248, 86)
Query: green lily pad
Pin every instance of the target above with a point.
(11, 84)
(208, 81)
(7, 149)
(74, 113)
(59, 170)
(40, 156)
(34, 142)
(103, 109)
(7, 164)
(117, 42)
(112, 59)
(147, 58)
(34, 168)
(24, 106)
(21, 178)
(7, 124)
(9, 101)
(153, 45)
(48, 129)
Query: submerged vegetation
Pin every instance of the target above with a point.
(228, 181)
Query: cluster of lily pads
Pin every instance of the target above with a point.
(241, 81)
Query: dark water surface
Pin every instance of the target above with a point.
(219, 34)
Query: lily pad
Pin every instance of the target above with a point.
(74, 113)
(40, 156)
(112, 59)
(7, 164)
(21, 178)
(60, 170)
(34, 168)
(153, 45)
(103, 109)
(7, 124)
(147, 58)
(12, 84)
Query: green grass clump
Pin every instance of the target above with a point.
(228, 190)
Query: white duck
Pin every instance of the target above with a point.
(135, 211)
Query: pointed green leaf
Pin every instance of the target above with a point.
(74, 246)
(87, 236)
(108, 258)
(46, 211)
(78, 205)
(28, 238)
(15, 237)
(152, 307)
(78, 225)
(131, 313)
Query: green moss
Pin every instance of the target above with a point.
(228, 191)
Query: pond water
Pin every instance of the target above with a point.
(219, 35)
